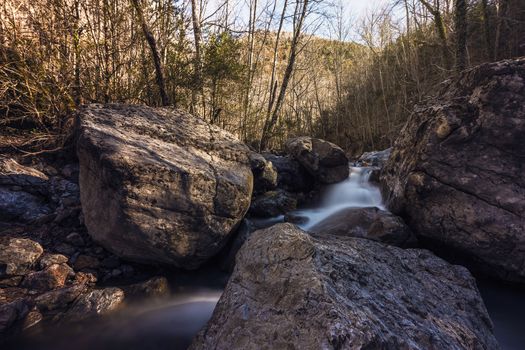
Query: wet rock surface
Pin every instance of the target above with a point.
(324, 160)
(290, 290)
(456, 173)
(160, 185)
(370, 223)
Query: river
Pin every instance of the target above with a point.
(172, 323)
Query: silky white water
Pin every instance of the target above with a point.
(354, 192)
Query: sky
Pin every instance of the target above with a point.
(355, 11)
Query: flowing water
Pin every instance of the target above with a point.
(171, 324)
(354, 192)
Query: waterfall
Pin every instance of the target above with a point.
(354, 192)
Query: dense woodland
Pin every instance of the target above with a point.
(264, 70)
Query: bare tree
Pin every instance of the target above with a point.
(461, 34)
(301, 9)
(154, 52)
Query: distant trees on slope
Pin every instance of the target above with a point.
(285, 68)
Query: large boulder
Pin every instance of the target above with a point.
(160, 185)
(456, 173)
(371, 223)
(324, 160)
(292, 291)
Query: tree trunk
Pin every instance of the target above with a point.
(270, 122)
(197, 37)
(461, 34)
(441, 31)
(154, 53)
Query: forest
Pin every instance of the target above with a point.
(262, 174)
(264, 70)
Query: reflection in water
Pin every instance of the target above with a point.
(354, 192)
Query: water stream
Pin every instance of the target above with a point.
(171, 324)
(354, 192)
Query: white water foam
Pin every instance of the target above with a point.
(354, 192)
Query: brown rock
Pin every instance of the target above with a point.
(17, 255)
(86, 262)
(59, 298)
(291, 291)
(160, 185)
(456, 173)
(52, 277)
(155, 287)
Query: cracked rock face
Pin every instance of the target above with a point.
(292, 291)
(160, 185)
(456, 173)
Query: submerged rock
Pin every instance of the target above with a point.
(292, 291)
(324, 160)
(160, 185)
(370, 223)
(456, 173)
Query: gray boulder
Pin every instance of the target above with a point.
(456, 173)
(160, 185)
(291, 291)
(324, 160)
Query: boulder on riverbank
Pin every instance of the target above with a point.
(324, 160)
(290, 290)
(159, 185)
(456, 173)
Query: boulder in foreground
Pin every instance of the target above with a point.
(291, 291)
(456, 173)
(160, 185)
(324, 160)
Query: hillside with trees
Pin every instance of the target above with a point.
(262, 174)
(265, 78)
